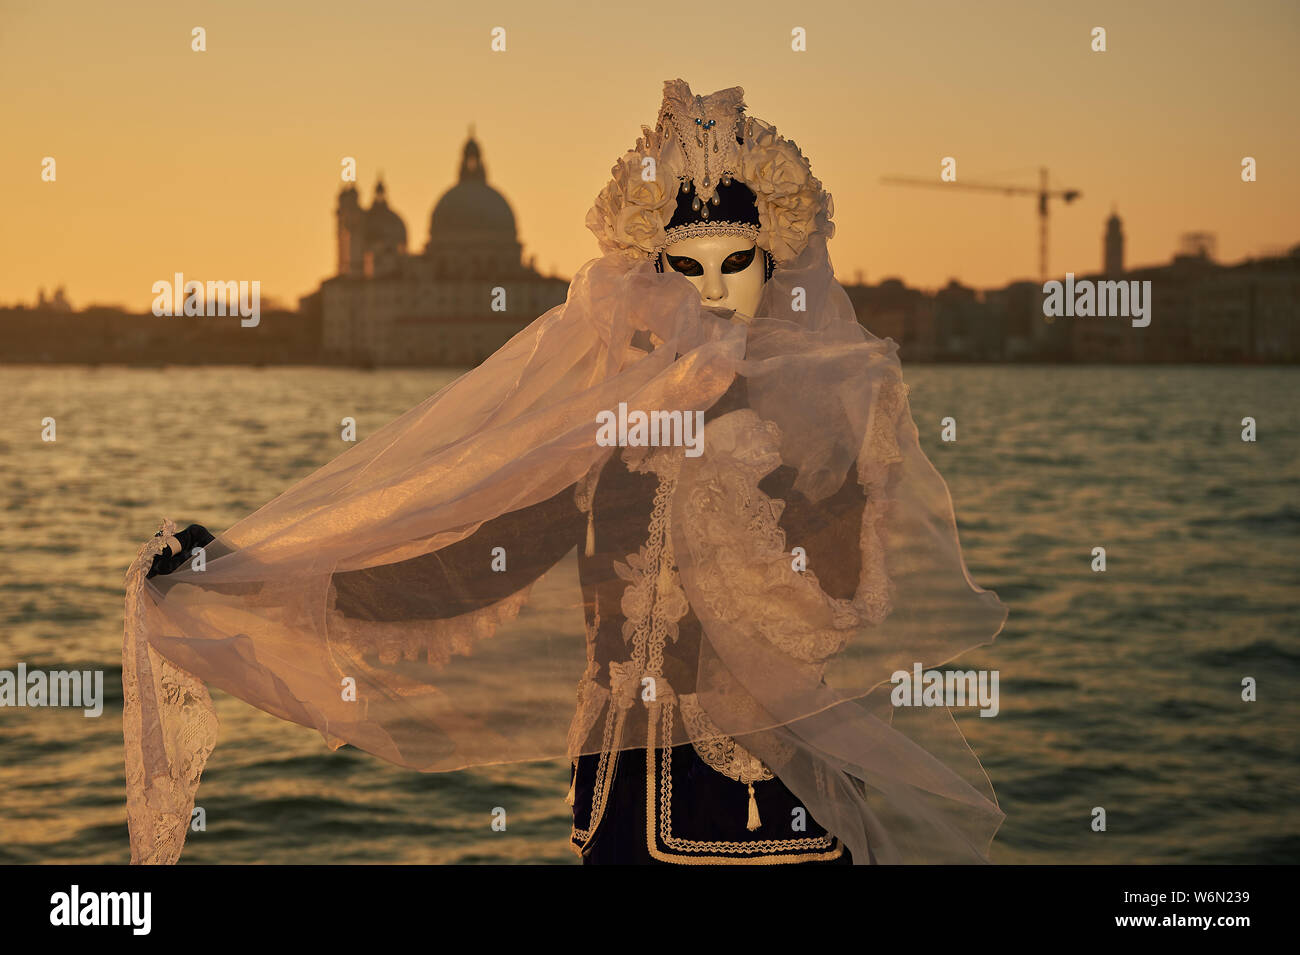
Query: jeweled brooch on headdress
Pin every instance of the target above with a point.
(677, 182)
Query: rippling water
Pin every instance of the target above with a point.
(1119, 690)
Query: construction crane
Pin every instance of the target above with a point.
(1042, 192)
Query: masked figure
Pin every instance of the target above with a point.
(702, 461)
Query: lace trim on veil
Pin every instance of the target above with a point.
(169, 728)
(437, 640)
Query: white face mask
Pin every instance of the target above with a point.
(728, 270)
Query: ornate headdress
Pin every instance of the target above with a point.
(707, 168)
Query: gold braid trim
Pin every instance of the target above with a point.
(650, 571)
(665, 820)
(604, 776)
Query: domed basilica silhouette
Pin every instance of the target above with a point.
(455, 303)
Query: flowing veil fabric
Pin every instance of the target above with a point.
(461, 665)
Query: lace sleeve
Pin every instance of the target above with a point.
(828, 531)
(460, 578)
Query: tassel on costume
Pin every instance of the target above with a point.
(754, 822)
(569, 799)
(591, 534)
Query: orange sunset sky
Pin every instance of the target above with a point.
(225, 164)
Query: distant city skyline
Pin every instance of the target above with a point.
(58, 297)
(224, 164)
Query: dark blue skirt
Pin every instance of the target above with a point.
(697, 816)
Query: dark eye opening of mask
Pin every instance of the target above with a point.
(738, 261)
(735, 262)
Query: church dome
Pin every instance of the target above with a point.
(472, 208)
(383, 226)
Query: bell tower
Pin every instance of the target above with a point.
(1113, 246)
(348, 227)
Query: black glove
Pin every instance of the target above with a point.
(196, 535)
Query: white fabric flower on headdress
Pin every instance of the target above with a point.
(632, 210)
(791, 202)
